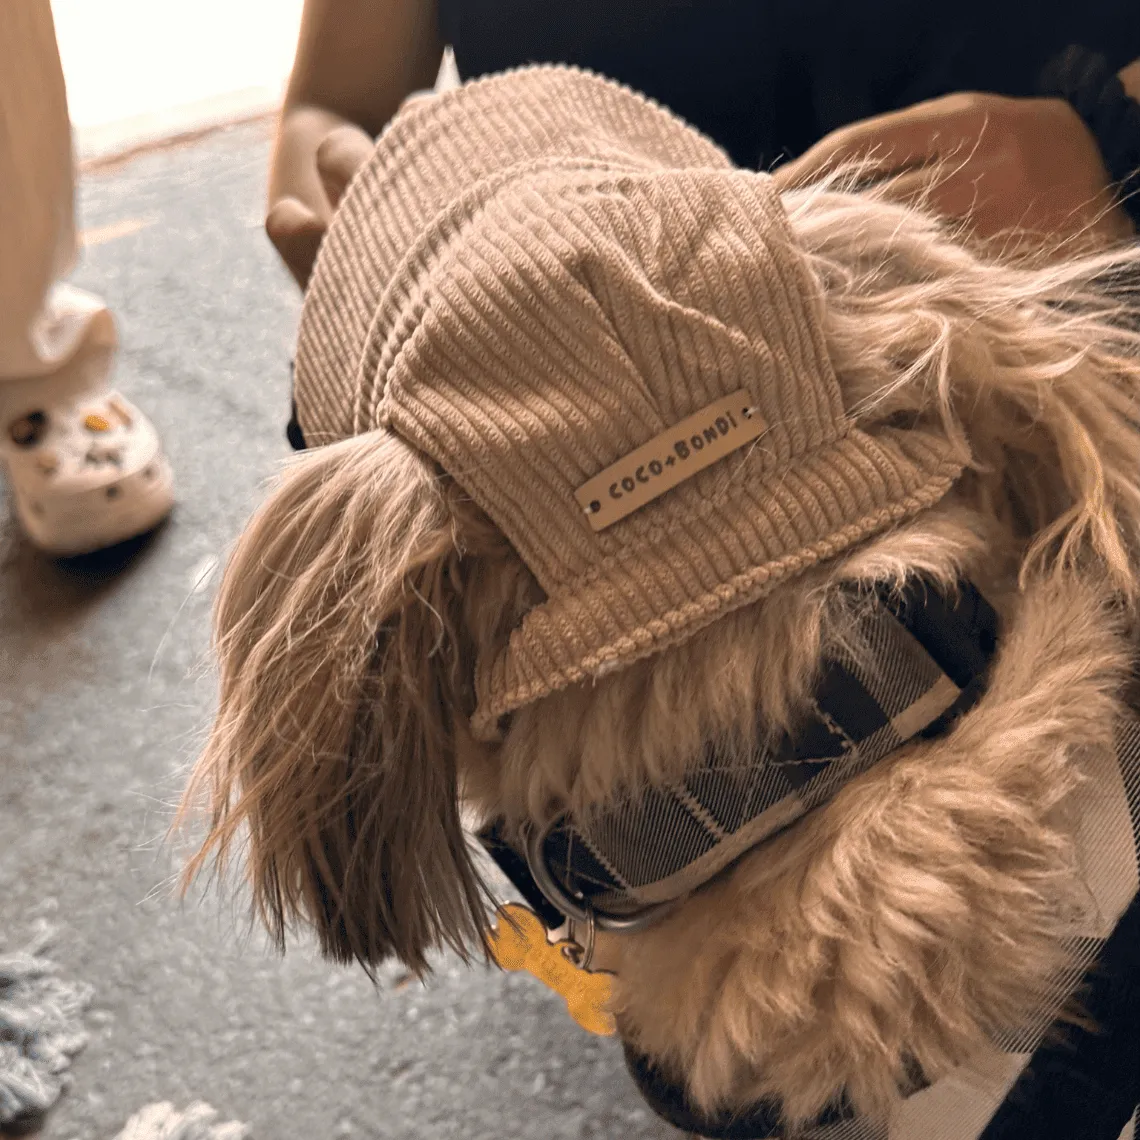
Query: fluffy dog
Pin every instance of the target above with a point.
(537, 276)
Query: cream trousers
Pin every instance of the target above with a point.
(49, 331)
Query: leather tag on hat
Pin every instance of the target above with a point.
(669, 459)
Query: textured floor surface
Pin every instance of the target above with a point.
(104, 693)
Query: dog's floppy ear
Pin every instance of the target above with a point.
(340, 658)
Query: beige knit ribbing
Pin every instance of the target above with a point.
(535, 275)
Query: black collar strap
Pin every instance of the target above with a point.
(928, 659)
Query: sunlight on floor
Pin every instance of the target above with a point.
(141, 69)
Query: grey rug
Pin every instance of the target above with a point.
(41, 1030)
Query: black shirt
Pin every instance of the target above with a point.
(767, 78)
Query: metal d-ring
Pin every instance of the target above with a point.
(591, 941)
(578, 909)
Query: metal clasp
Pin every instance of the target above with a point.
(583, 956)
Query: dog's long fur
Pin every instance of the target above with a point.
(911, 918)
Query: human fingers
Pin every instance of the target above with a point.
(896, 143)
(340, 156)
(296, 233)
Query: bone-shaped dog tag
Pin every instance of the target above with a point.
(519, 942)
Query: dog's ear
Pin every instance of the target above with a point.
(341, 663)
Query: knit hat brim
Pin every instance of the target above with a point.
(663, 594)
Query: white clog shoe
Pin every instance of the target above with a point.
(86, 474)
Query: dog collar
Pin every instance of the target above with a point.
(623, 868)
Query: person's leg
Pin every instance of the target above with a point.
(84, 466)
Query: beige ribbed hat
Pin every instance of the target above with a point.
(605, 333)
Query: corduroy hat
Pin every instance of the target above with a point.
(606, 334)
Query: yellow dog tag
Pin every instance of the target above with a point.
(519, 942)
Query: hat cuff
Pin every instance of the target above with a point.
(761, 532)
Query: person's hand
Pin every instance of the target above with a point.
(1001, 165)
(317, 154)
(1130, 77)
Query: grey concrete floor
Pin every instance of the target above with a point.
(105, 690)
